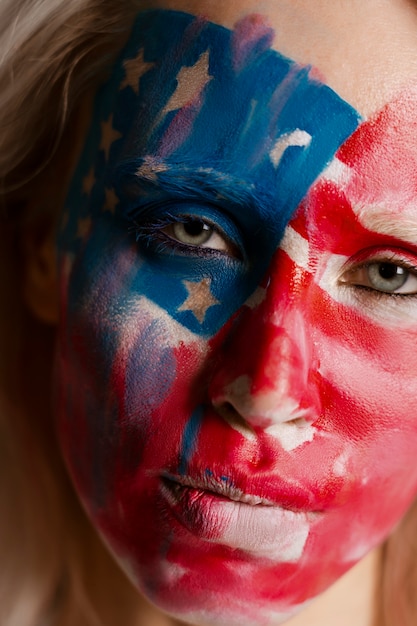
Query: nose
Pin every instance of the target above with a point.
(267, 373)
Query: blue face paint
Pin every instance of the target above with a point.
(199, 130)
(190, 439)
(197, 120)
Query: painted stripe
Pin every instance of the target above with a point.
(189, 440)
(296, 247)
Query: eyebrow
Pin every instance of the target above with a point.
(381, 221)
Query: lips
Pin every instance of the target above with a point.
(266, 489)
(216, 512)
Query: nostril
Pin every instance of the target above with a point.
(227, 411)
(301, 422)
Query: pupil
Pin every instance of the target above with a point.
(390, 270)
(195, 228)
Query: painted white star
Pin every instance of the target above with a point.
(83, 227)
(190, 83)
(89, 182)
(110, 201)
(135, 69)
(151, 167)
(108, 136)
(200, 298)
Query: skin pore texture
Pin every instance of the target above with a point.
(235, 363)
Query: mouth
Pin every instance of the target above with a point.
(215, 511)
(220, 488)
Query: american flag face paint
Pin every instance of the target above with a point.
(236, 353)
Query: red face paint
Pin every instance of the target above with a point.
(236, 478)
(301, 445)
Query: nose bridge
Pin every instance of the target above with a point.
(266, 370)
(284, 349)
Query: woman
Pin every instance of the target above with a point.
(231, 315)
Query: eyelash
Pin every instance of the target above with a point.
(388, 259)
(150, 234)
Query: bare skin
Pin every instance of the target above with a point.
(365, 51)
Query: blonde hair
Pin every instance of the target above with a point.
(51, 53)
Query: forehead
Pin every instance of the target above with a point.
(366, 51)
(190, 100)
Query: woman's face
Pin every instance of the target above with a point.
(237, 363)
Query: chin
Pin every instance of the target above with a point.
(225, 616)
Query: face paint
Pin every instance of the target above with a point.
(203, 143)
(326, 380)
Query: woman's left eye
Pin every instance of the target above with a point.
(385, 276)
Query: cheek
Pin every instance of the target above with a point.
(365, 350)
(368, 396)
(367, 364)
(122, 364)
(132, 380)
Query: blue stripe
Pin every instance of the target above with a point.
(189, 440)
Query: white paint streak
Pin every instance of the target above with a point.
(292, 435)
(172, 573)
(297, 138)
(366, 380)
(328, 274)
(340, 464)
(337, 172)
(296, 247)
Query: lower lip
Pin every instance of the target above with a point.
(270, 532)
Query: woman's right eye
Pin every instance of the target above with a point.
(187, 234)
(199, 233)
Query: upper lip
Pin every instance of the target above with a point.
(266, 491)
